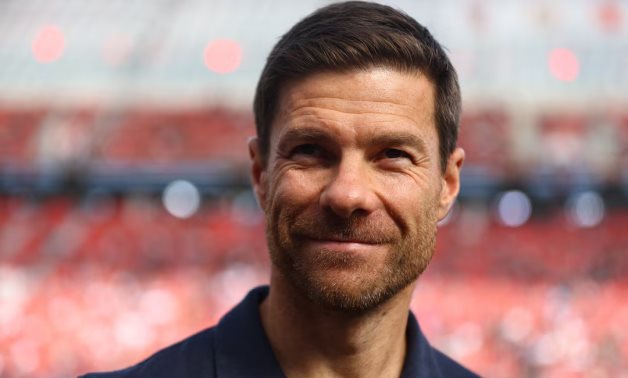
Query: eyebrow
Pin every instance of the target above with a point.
(304, 134)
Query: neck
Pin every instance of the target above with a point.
(313, 342)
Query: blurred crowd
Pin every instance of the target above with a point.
(57, 138)
(506, 143)
(104, 260)
(100, 283)
(98, 278)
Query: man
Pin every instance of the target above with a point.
(354, 163)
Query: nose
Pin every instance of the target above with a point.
(349, 190)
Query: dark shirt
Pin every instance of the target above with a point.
(238, 347)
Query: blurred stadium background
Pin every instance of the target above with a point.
(126, 221)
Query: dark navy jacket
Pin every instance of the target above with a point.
(238, 347)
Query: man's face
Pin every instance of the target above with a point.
(352, 189)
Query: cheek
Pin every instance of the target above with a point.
(410, 203)
(291, 196)
(293, 190)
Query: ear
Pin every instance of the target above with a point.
(258, 172)
(450, 182)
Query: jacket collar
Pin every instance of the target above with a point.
(420, 361)
(243, 350)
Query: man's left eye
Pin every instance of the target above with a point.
(393, 153)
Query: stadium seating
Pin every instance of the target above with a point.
(100, 285)
(100, 281)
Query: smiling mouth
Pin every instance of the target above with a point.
(335, 239)
(343, 245)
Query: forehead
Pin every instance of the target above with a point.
(380, 98)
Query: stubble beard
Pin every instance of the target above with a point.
(407, 256)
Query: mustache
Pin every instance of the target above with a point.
(358, 229)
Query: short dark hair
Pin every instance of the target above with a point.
(359, 35)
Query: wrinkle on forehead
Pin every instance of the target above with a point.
(336, 109)
(328, 88)
(359, 102)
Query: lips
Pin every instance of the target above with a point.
(335, 239)
(356, 238)
(343, 247)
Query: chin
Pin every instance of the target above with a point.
(353, 300)
(349, 291)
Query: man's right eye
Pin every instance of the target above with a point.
(306, 149)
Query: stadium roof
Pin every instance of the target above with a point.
(561, 53)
